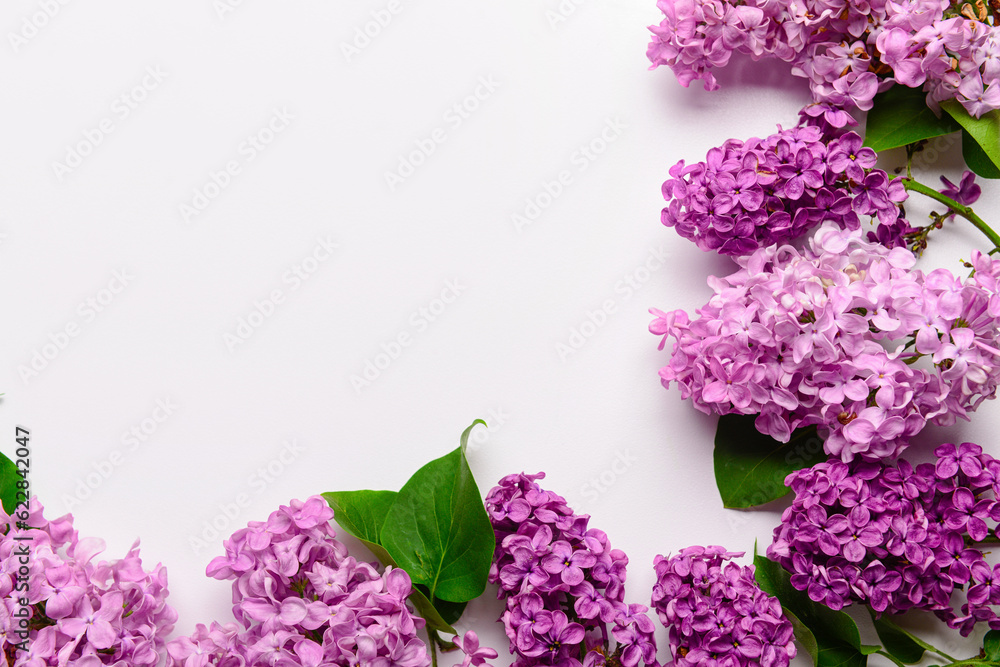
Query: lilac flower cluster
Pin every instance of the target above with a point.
(303, 601)
(716, 612)
(764, 191)
(82, 613)
(896, 537)
(563, 583)
(846, 50)
(837, 335)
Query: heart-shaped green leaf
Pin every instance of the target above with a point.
(9, 477)
(991, 645)
(834, 633)
(438, 531)
(362, 513)
(902, 645)
(750, 467)
(984, 132)
(900, 116)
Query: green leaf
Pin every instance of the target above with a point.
(438, 531)
(836, 635)
(9, 477)
(362, 513)
(900, 116)
(436, 618)
(977, 159)
(991, 645)
(449, 611)
(750, 467)
(902, 645)
(804, 635)
(984, 131)
(841, 655)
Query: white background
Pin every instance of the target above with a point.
(560, 76)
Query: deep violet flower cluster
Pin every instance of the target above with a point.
(765, 191)
(896, 537)
(716, 612)
(563, 583)
(303, 601)
(847, 49)
(843, 334)
(82, 613)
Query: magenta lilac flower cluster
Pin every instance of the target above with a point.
(847, 51)
(765, 191)
(80, 613)
(716, 612)
(896, 537)
(303, 601)
(843, 334)
(563, 583)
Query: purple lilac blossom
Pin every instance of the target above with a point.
(83, 613)
(746, 195)
(895, 537)
(303, 601)
(845, 335)
(847, 51)
(715, 611)
(563, 584)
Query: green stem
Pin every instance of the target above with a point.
(971, 661)
(432, 635)
(961, 210)
(891, 657)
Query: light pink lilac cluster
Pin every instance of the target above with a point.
(716, 612)
(303, 601)
(764, 191)
(843, 334)
(81, 613)
(896, 537)
(847, 49)
(562, 582)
